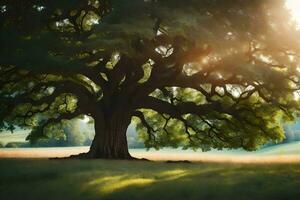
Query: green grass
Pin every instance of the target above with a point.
(98, 179)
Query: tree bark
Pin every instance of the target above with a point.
(110, 141)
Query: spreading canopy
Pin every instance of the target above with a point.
(194, 73)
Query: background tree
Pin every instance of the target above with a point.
(198, 74)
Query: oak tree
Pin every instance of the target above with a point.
(194, 73)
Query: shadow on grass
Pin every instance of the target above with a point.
(232, 183)
(42, 179)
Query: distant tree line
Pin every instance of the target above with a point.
(75, 133)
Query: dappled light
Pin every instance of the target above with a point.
(114, 183)
(173, 174)
(147, 180)
(149, 99)
(294, 7)
(195, 74)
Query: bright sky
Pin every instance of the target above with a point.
(294, 7)
(86, 119)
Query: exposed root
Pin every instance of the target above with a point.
(78, 156)
(141, 159)
(88, 155)
(179, 161)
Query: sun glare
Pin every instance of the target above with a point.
(86, 119)
(294, 7)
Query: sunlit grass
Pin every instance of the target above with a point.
(111, 184)
(114, 183)
(173, 174)
(117, 180)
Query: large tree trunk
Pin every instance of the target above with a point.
(110, 140)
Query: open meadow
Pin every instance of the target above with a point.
(212, 175)
(99, 179)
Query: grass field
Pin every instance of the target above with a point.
(73, 179)
(286, 153)
(271, 173)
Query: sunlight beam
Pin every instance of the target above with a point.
(294, 7)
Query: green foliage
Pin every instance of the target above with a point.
(67, 133)
(257, 124)
(17, 145)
